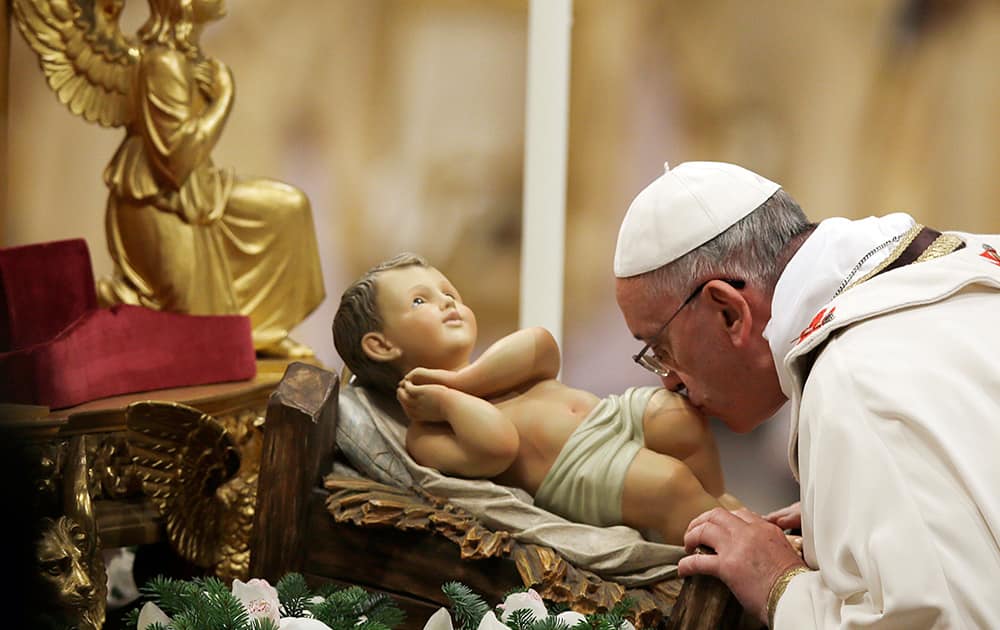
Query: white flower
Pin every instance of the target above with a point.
(302, 623)
(490, 622)
(258, 597)
(529, 600)
(570, 618)
(150, 614)
(626, 625)
(440, 620)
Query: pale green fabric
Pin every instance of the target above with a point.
(586, 481)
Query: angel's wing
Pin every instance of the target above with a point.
(182, 457)
(87, 60)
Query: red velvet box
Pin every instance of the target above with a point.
(58, 349)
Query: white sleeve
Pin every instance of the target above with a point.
(887, 516)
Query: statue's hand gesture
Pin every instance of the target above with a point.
(429, 376)
(422, 403)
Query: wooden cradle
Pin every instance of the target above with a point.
(347, 530)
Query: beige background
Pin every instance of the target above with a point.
(403, 121)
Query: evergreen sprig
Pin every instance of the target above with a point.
(293, 592)
(521, 619)
(467, 608)
(206, 603)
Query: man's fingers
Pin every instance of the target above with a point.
(720, 516)
(699, 563)
(745, 515)
(708, 534)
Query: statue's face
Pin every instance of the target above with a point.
(424, 316)
(61, 556)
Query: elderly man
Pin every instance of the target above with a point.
(882, 334)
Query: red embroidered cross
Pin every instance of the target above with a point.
(990, 254)
(821, 318)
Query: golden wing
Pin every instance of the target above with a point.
(86, 59)
(182, 457)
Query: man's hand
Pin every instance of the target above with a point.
(787, 517)
(750, 554)
(422, 403)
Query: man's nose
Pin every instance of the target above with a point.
(672, 382)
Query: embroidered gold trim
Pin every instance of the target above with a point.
(942, 245)
(896, 253)
(778, 589)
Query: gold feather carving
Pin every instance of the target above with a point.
(87, 60)
(193, 469)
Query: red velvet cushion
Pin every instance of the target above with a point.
(44, 288)
(128, 349)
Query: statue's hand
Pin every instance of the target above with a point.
(429, 376)
(197, 217)
(422, 403)
(214, 79)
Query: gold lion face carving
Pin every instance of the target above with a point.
(65, 554)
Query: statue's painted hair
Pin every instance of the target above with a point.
(358, 315)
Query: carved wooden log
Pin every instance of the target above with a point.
(299, 436)
(705, 603)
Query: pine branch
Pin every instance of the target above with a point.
(341, 609)
(468, 608)
(548, 623)
(172, 596)
(293, 592)
(521, 619)
(379, 608)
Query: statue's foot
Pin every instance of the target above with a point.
(287, 348)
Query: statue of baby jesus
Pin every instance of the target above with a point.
(645, 458)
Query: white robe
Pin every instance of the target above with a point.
(896, 442)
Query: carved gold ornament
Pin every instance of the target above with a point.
(202, 479)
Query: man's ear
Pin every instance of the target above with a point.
(379, 348)
(733, 310)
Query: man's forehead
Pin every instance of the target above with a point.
(642, 307)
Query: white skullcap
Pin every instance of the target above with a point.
(685, 207)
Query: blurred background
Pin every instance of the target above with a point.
(403, 121)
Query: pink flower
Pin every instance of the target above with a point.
(258, 597)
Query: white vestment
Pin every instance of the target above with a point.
(895, 407)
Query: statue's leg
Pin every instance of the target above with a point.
(169, 264)
(274, 260)
(662, 494)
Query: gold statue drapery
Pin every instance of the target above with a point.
(184, 235)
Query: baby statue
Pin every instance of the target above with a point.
(645, 458)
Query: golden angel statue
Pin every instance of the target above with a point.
(184, 234)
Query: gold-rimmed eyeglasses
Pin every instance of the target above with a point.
(649, 361)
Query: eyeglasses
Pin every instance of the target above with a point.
(650, 362)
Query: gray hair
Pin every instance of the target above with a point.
(358, 315)
(750, 250)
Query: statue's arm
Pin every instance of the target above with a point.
(457, 433)
(180, 133)
(523, 357)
